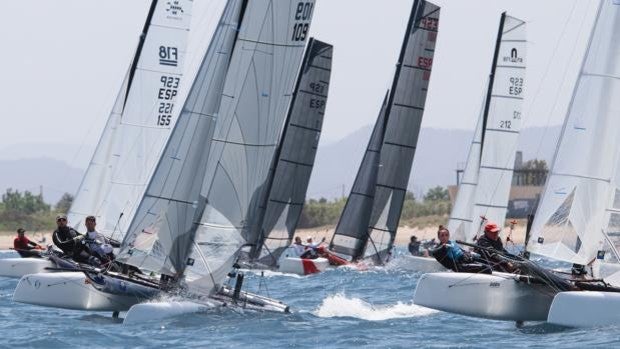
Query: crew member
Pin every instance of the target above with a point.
(99, 247)
(64, 236)
(25, 247)
(414, 246)
(453, 257)
(491, 242)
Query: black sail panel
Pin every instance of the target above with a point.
(405, 113)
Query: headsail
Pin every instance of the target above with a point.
(404, 112)
(255, 101)
(572, 215)
(288, 180)
(162, 227)
(487, 179)
(139, 124)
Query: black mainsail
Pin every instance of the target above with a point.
(363, 235)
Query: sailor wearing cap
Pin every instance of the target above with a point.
(64, 235)
(491, 241)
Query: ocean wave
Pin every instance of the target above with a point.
(340, 305)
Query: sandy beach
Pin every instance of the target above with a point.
(402, 237)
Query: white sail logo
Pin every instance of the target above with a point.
(175, 9)
(514, 56)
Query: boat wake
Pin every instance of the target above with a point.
(271, 273)
(340, 305)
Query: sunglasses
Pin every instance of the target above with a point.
(61, 219)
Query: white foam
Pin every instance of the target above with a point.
(340, 305)
(272, 273)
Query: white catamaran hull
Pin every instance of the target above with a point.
(68, 290)
(585, 309)
(499, 296)
(419, 264)
(301, 266)
(18, 267)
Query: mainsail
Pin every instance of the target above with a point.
(290, 173)
(403, 116)
(580, 194)
(255, 102)
(487, 179)
(161, 229)
(139, 124)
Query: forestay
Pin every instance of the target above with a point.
(254, 105)
(161, 230)
(404, 113)
(501, 125)
(139, 124)
(288, 180)
(571, 218)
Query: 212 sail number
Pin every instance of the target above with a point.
(303, 13)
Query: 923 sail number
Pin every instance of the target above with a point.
(167, 92)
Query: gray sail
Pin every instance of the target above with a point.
(160, 232)
(289, 178)
(404, 113)
(255, 103)
(352, 230)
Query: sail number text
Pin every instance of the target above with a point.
(167, 91)
(516, 86)
(303, 14)
(319, 89)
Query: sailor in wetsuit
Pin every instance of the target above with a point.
(25, 247)
(453, 257)
(491, 241)
(64, 236)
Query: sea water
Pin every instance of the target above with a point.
(339, 308)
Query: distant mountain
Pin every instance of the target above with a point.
(440, 152)
(52, 176)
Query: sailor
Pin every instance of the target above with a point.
(414, 246)
(491, 241)
(64, 236)
(453, 257)
(298, 246)
(24, 246)
(99, 247)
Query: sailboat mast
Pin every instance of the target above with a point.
(136, 57)
(487, 103)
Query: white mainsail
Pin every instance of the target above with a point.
(256, 98)
(487, 179)
(580, 194)
(139, 124)
(161, 228)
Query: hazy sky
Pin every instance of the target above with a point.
(62, 61)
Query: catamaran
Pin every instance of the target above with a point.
(135, 133)
(197, 209)
(367, 227)
(575, 220)
(484, 189)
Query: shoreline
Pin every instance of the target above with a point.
(402, 236)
